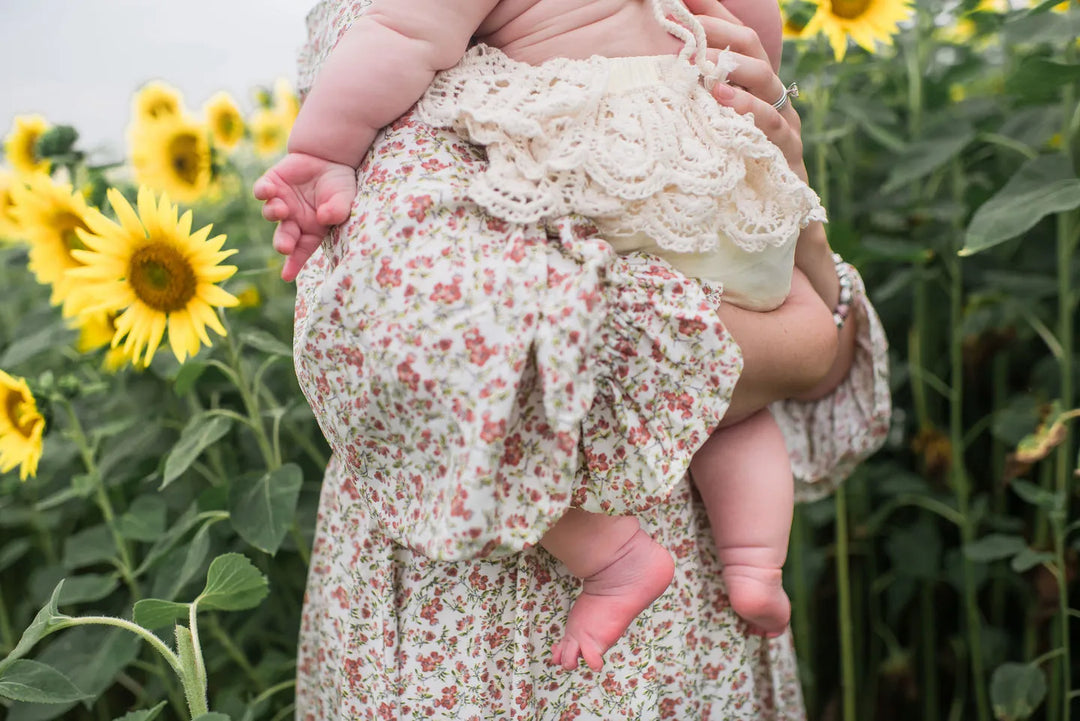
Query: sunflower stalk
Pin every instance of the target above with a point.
(958, 478)
(101, 495)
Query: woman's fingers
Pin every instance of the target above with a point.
(724, 31)
(782, 127)
(756, 77)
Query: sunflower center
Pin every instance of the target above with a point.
(226, 124)
(184, 152)
(24, 426)
(161, 277)
(850, 9)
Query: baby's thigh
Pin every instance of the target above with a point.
(786, 351)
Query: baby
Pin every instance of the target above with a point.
(598, 108)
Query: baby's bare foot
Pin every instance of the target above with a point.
(611, 599)
(757, 595)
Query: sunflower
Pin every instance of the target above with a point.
(9, 224)
(21, 427)
(285, 102)
(156, 101)
(20, 145)
(224, 120)
(155, 273)
(96, 330)
(50, 214)
(865, 21)
(173, 156)
(269, 131)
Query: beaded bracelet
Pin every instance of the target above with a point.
(843, 303)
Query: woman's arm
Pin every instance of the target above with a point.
(754, 86)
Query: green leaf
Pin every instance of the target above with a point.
(1036, 495)
(35, 682)
(212, 716)
(261, 340)
(915, 551)
(194, 558)
(154, 613)
(88, 587)
(994, 547)
(47, 620)
(29, 346)
(1016, 690)
(89, 546)
(91, 656)
(145, 715)
(232, 584)
(201, 432)
(12, 551)
(1030, 558)
(1043, 185)
(924, 157)
(262, 506)
(185, 378)
(1041, 78)
(144, 520)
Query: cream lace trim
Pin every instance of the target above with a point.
(662, 158)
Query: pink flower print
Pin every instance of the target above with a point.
(407, 375)
(447, 293)
(492, 431)
(691, 326)
(388, 277)
(478, 352)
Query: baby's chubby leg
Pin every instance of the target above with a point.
(744, 477)
(623, 570)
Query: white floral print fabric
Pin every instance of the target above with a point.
(475, 378)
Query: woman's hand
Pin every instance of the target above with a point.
(741, 26)
(752, 87)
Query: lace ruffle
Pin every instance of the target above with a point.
(661, 158)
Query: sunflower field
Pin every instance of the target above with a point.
(159, 469)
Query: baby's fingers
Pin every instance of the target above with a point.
(335, 209)
(304, 249)
(275, 209)
(286, 237)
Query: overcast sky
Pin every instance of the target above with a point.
(77, 62)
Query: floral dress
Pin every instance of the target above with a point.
(475, 378)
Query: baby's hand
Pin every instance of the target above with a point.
(305, 196)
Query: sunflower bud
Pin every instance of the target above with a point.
(56, 141)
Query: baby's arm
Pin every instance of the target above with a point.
(378, 70)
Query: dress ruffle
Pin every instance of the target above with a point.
(636, 144)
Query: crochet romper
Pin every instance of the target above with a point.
(640, 147)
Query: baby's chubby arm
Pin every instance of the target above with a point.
(381, 66)
(379, 69)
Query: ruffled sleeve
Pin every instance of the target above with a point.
(827, 438)
(476, 378)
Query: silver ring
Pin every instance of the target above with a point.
(791, 91)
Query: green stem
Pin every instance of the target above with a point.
(251, 404)
(196, 649)
(928, 627)
(843, 582)
(101, 497)
(284, 685)
(962, 489)
(158, 645)
(7, 632)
